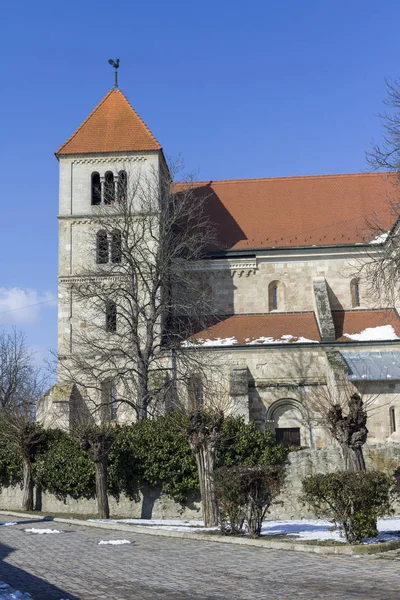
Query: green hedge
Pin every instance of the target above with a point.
(151, 453)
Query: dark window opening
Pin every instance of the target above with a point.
(109, 188)
(355, 293)
(273, 296)
(195, 393)
(116, 243)
(392, 416)
(114, 404)
(288, 436)
(102, 248)
(122, 186)
(111, 316)
(96, 189)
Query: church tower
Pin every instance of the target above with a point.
(110, 150)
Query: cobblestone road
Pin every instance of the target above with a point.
(73, 566)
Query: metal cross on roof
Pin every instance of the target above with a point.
(115, 64)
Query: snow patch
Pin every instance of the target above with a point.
(303, 529)
(41, 531)
(380, 239)
(9, 593)
(231, 341)
(8, 523)
(382, 332)
(114, 542)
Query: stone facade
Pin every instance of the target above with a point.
(279, 386)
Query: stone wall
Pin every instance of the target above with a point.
(153, 505)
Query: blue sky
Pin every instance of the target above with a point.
(240, 90)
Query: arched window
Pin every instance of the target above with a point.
(355, 293)
(96, 189)
(111, 316)
(116, 242)
(275, 296)
(109, 402)
(195, 393)
(101, 248)
(392, 417)
(122, 186)
(109, 188)
(113, 403)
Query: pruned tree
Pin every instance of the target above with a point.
(22, 383)
(342, 408)
(96, 441)
(350, 431)
(139, 296)
(204, 436)
(204, 403)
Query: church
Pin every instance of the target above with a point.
(292, 312)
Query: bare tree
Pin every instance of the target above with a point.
(381, 267)
(140, 296)
(22, 383)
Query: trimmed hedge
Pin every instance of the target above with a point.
(153, 453)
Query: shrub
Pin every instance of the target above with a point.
(353, 501)
(246, 493)
(244, 444)
(62, 468)
(153, 452)
(10, 464)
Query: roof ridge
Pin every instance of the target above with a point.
(140, 118)
(257, 179)
(86, 120)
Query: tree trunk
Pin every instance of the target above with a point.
(353, 458)
(205, 460)
(27, 498)
(101, 488)
(143, 392)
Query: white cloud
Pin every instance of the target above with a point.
(23, 306)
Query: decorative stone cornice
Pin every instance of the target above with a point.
(235, 267)
(100, 160)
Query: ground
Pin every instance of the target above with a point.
(72, 565)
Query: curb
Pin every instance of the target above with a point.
(343, 550)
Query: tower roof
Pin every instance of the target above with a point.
(113, 126)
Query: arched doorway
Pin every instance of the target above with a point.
(287, 417)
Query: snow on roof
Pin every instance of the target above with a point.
(380, 239)
(380, 333)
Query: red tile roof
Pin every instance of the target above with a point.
(355, 321)
(298, 211)
(278, 328)
(113, 126)
(250, 328)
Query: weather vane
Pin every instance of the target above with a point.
(115, 64)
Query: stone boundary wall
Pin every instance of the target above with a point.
(156, 506)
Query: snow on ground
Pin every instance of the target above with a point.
(8, 593)
(8, 523)
(303, 529)
(309, 529)
(114, 542)
(41, 531)
(382, 332)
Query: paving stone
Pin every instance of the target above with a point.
(72, 565)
